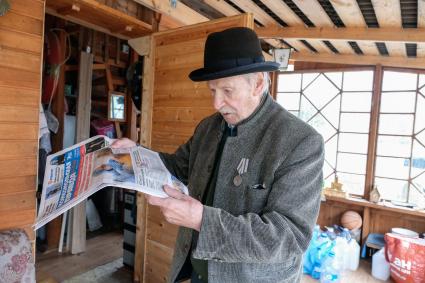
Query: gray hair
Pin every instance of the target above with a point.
(266, 78)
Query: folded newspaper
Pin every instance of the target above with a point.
(77, 172)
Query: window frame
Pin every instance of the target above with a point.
(378, 73)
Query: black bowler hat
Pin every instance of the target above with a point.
(232, 52)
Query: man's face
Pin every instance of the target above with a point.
(236, 97)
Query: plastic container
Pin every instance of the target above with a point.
(354, 254)
(405, 232)
(342, 252)
(380, 266)
(331, 270)
(324, 246)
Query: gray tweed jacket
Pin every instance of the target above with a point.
(252, 233)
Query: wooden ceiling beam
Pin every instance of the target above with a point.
(228, 10)
(420, 52)
(348, 34)
(349, 12)
(284, 12)
(388, 14)
(402, 62)
(421, 14)
(223, 7)
(351, 15)
(318, 16)
(314, 12)
(250, 7)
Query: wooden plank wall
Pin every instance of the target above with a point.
(21, 45)
(178, 105)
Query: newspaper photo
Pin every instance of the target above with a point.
(75, 173)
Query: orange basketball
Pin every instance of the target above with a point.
(351, 220)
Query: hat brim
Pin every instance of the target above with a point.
(203, 74)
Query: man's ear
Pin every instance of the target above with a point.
(259, 83)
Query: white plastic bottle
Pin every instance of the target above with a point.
(331, 270)
(342, 253)
(354, 252)
(380, 266)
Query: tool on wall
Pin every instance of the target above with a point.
(4, 7)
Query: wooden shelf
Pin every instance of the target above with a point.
(99, 17)
(387, 206)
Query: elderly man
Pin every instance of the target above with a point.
(254, 172)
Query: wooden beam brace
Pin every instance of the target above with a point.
(141, 45)
(402, 62)
(73, 9)
(181, 12)
(346, 34)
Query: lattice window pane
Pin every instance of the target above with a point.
(321, 92)
(335, 78)
(396, 124)
(420, 113)
(331, 111)
(390, 145)
(356, 143)
(392, 189)
(351, 163)
(307, 110)
(322, 126)
(398, 102)
(399, 81)
(352, 183)
(331, 151)
(356, 101)
(309, 78)
(289, 82)
(358, 81)
(421, 81)
(418, 160)
(291, 100)
(392, 167)
(355, 122)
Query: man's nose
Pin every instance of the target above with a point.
(218, 101)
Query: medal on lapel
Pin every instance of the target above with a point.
(242, 168)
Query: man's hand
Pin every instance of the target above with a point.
(123, 143)
(179, 208)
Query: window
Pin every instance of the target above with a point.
(337, 105)
(400, 156)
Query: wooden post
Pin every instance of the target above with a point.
(366, 225)
(373, 131)
(58, 109)
(78, 241)
(132, 112)
(145, 139)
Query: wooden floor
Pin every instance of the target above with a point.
(53, 267)
(361, 275)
